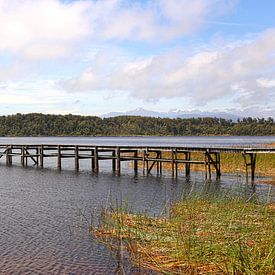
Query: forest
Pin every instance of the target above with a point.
(36, 124)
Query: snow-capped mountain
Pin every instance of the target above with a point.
(175, 113)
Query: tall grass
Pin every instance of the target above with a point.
(206, 235)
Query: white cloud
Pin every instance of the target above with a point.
(266, 83)
(244, 71)
(52, 28)
(29, 93)
(37, 25)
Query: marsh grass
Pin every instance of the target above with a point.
(206, 235)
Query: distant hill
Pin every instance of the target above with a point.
(173, 114)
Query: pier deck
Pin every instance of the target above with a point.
(146, 157)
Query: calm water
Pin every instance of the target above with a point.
(150, 141)
(44, 214)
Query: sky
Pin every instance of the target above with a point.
(92, 57)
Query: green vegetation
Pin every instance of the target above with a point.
(71, 125)
(200, 236)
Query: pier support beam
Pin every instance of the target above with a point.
(160, 164)
(76, 158)
(251, 162)
(173, 163)
(253, 165)
(218, 165)
(187, 164)
(58, 157)
(9, 156)
(23, 155)
(212, 158)
(41, 156)
(118, 161)
(95, 165)
(114, 160)
(136, 162)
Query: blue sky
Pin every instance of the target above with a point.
(93, 57)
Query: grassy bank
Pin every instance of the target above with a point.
(200, 236)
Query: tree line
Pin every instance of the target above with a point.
(36, 124)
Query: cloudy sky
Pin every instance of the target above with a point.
(96, 56)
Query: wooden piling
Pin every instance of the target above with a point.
(253, 165)
(176, 162)
(158, 171)
(136, 161)
(8, 157)
(118, 161)
(76, 158)
(143, 162)
(58, 157)
(218, 165)
(173, 163)
(41, 156)
(37, 156)
(160, 163)
(95, 158)
(208, 163)
(114, 160)
(187, 164)
(23, 155)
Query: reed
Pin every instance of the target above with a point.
(201, 235)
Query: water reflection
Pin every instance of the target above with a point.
(45, 214)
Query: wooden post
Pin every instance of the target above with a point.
(26, 155)
(157, 163)
(176, 162)
(205, 165)
(118, 163)
(114, 160)
(7, 156)
(143, 162)
(76, 158)
(136, 162)
(92, 160)
(8, 160)
(58, 157)
(208, 157)
(41, 156)
(246, 165)
(23, 155)
(37, 157)
(96, 166)
(187, 164)
(173, 162)
(218, 165)
(146, 161)
(160, 164)
(253, 166)
(10, 156)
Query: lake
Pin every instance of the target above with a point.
(45, 214)
(146, 141)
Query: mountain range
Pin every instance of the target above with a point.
(173, 114)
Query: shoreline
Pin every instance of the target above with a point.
(199, 236)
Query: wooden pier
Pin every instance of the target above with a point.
(144, 158)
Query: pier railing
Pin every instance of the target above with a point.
(146, 158)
